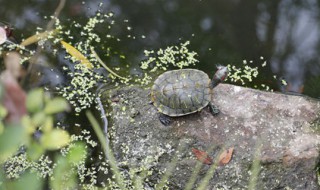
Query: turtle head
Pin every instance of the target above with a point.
(219, 76)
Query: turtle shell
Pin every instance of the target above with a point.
(181, 92)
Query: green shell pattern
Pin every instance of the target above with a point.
(181, 92)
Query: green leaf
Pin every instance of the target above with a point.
(48, 124)
(3, 112)
(55, 139)
(77, 153)
(26, 181)
(1, 90)
(28, 125)
(64, 176)
(34, 151)
(38, 118)
(10, 140)
(35, 100)
(56, 105)
(1, 127)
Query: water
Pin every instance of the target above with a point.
(285, 33)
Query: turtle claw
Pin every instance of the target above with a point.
(164, 119)
(213, 109)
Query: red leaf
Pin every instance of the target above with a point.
(14, 98)
(202, 156)
(226, 156)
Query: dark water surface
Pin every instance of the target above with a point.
(284, 32)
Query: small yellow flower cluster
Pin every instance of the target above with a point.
(244, 74)
(247, 73)
(79, 91)
(16, 165)
(145, 80)
(44, 167)
(178, 56)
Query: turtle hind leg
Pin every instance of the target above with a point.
(213, 109)
(164, 119)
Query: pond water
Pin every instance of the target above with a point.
(280, 38)
(285, 33)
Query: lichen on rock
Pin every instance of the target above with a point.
(272, 132)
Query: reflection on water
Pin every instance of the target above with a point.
(286, 32)
(296, 39)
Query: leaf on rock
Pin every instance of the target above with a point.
(202, 156)
(226, 156)
(77, 55)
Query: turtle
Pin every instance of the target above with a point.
(185, 91)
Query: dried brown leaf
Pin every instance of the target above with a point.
(226, 156)
(37, 37)
(76, 54)
(202, 156)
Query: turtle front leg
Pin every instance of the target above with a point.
(213, 109)
(164, 119)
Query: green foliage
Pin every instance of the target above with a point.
(64, 174)
(27, 180)
(10, 140)
(56, 105)
(35, 100)
(55, 139)
(21, 166)
(41, 110)
(3, 113)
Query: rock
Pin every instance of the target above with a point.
(275, 136)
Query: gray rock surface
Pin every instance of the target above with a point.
(275, 136)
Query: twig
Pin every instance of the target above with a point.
(48, 28)
(56, 14)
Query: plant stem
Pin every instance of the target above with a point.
(108, 153)
(105, 66)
